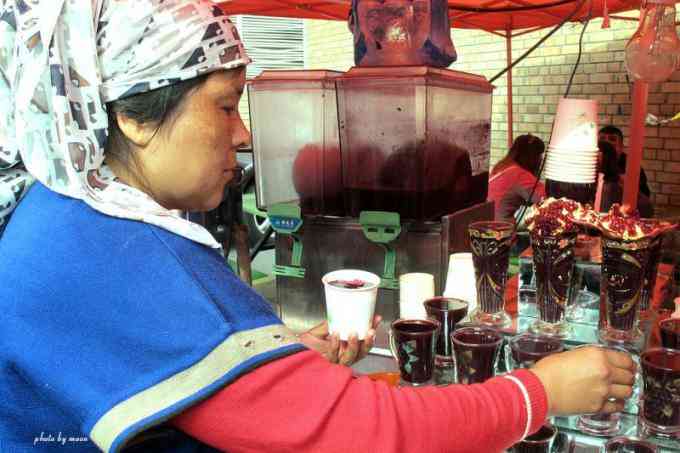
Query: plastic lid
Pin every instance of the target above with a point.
(297, 75)
(432, 76)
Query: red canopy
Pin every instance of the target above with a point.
(487, 15)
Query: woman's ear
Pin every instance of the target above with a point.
(138, 133)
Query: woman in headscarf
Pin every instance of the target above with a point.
(119, 316)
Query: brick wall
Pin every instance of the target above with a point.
(541, 79)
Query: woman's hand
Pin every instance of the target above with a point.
(586, 380)
(335, 350)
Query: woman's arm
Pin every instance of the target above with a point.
(303, 404)
(525, 184)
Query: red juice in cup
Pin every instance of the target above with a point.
(661, 392)
(476, 350)
(413, 345)
(670, 333)
(448, 312)
(348, 284)
(527, 349)
(624, 266)
(629, 445)
(554, 264)
(539, 442)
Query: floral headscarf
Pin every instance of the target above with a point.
(62, 61)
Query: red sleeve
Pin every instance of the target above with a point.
(302, 403)
(512, 182)
(525, 182)
(540, 192)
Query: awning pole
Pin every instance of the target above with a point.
(508, 50)
(631, 182)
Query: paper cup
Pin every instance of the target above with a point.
(565, 173)
(575, 125)
(573, 155)
(571, 179)
(584, 164)
(584, 170)
(575, 179)
(587, 150)
(414, 289)
(556, 164)
(350, 310)
(460, 279)
(579, 160)
(580, 154)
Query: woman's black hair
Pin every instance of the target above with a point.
(156, 107)
(609, 162)
(526, 151)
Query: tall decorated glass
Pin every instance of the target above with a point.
(490, 243)
(553, 237)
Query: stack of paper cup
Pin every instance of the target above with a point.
(460, 280)
(414, 289)
(572, 152)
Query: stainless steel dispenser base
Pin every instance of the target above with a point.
(332, 243)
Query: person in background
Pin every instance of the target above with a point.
(513, 178)
(612, 189)
(613, 135)
(119, 316)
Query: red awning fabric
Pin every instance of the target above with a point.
(490, 15)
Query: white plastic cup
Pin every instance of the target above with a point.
(350, 310)
(571, 150)
(569, 171)
(566, 172)
(575, 125)
(565, 175)
(574, 160)
(461, 280)
(580, 161)
(414, 289)
(560, 163)
(571, 178)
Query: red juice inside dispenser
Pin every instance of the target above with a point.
(294, 121)
(414, 140)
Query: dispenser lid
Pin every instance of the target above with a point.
(426, 75)
(287, 76)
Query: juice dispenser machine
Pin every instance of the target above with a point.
(380, 169)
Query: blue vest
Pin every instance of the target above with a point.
(109, 327)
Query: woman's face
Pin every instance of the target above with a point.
(193, 156)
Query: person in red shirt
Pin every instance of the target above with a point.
(513, 179)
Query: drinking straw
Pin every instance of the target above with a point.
(598, 192)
